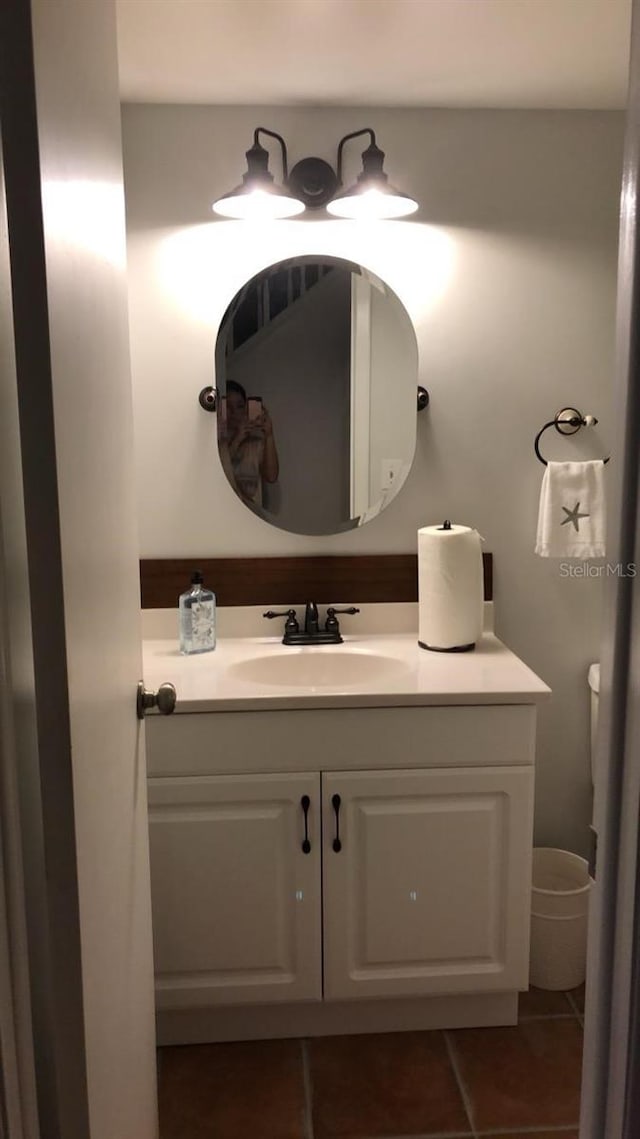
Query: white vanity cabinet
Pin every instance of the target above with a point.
(411, 908)
(426, 890)
(415, 888)
(422, 885)
(236, 900)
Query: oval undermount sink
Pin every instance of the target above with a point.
(320, 668)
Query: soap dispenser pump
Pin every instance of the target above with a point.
(197, 617)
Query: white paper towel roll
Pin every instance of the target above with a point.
(450, 587)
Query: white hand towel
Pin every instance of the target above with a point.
(571, 519)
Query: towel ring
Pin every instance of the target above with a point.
(566, 422)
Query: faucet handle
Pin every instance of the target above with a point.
(291, 623)
(331, 624)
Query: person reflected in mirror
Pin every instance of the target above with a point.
(247, 445)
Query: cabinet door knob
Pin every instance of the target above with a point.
(335, 803)
(305, 803)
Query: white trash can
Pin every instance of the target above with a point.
(559, 914)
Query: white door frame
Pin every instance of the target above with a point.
(611, 1078)
(18, 1112)
(72, 573)
(610, 1092)
(26, 1004)
(18, 1101)
(35, 611)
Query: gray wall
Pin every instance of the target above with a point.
(509, 276)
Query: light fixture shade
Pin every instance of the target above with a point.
(258, 196)
(371, 200)
(253, 200)
(372, 196)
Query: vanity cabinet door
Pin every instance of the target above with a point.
(429, 891)
(236, 900)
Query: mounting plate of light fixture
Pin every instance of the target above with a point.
(313, 181)
(313, 184)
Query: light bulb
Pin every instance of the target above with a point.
(258, 205)
(371, 204)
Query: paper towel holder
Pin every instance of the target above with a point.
(465, 647)
(454, 649)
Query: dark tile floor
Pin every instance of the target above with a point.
(504, 1083)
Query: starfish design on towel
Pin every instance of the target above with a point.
(574, 516)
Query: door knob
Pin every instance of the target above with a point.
(164, 699)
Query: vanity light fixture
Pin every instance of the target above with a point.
(313, 183)
(258, 196)
(372, 195)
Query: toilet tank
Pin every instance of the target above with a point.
(594, 685)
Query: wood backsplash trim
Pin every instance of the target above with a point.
(291, 581)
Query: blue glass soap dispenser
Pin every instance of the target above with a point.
(197, 617)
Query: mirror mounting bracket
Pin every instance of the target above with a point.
(208, 398)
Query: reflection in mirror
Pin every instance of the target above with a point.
(316, 370)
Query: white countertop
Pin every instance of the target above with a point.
(209, 682)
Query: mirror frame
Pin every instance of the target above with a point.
(210, 396)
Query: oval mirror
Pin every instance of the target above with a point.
(316, 375)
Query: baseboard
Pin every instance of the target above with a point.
(334, 1018)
